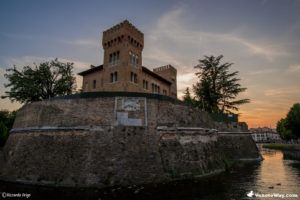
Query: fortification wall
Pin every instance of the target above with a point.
(116, 141)
(90, 112)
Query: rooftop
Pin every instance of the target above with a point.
(91, 70)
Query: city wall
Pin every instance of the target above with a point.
(118, 141)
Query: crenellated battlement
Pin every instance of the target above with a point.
(162, 68)
(125, 24)
(121, 32)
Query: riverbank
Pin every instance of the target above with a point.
(290, 151)
(288, 147)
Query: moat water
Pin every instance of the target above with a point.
(275, 175)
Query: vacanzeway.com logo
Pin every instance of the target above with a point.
(271, 195)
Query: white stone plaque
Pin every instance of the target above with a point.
(131, 104)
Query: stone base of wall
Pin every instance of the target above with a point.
(119, 156)
(118, 141)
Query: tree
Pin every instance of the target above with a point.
(187, 98)
(47, 80)
(217, 88)
(289, 127)
(293, 120)
(7, 118)
(6, 122)
(282, 130)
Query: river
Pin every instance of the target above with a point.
(275, 175)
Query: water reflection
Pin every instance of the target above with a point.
(273, 175)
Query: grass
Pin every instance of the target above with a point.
(295, 147)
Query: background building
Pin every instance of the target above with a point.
(122, 68)
(264, 135)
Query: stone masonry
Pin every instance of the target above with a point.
(85, 142)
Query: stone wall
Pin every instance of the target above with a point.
(101, 112)
(78, 142)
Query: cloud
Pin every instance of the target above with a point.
(294, 69)
(20, 36)
(282, 92)
(172, 41)
(83, 42)
(29, 60)
(262, 50)
(262, 72)
(171, 34)
(184, 81)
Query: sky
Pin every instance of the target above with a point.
(261, 38)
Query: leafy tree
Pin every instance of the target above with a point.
(7, 118)
(6, 122)
(187, 98)
(48, 79)
(282, 130)
(289, 127)
(293, 120)
(217, 88)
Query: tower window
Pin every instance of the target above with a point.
(94, 84)
(114, 77)
(114, 58)
(133, 77)
(155, 88)
(133, 59)
(145, 84)
(111, 77)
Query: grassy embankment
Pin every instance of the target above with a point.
(291, 147)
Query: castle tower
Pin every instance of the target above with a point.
(123, 45)
(122, 68)
(170, 73)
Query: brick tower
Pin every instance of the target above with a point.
(123, 45)
(122, 68)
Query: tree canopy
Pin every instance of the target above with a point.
(217, 88)
(187, 98)
(289, 127)
(6, 122)
(43, 81)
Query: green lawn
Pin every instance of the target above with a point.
(283, 146)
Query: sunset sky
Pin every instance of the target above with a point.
(261, 38)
